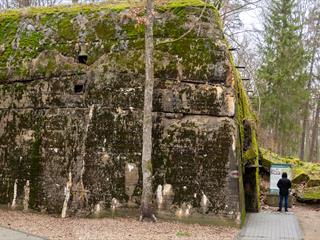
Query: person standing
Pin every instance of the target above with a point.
(284, 184)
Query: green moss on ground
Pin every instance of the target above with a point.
(302, 171)
(305, 173)
(311, 193)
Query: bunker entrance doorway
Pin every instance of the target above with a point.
(250, 188)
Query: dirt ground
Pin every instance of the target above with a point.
(109, 229)
(309, 218)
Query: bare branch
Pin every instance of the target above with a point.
(187, 32)
(240, 8)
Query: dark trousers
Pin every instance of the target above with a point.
(285, 197)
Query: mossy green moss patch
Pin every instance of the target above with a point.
(67, 30)
(302, 171)
(311, 193)
(103, 28)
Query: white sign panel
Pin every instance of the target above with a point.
(276, 171)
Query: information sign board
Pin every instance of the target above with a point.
(276, 171)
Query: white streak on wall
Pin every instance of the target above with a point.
(167, 189)
(130, 167)
(159, 196)
(219, 92)
(233, 143)
(81, 188)
(98, 208)
(67, 193)
(231, 104)
(15, 189)
(187, 210)
(168, 195)
(204, 203)
(26, 196)
(179, 213)
(90, 115)
(114, 205)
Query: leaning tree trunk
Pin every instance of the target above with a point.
(146, 203)
(314, 137)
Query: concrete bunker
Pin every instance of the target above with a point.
(69, 125)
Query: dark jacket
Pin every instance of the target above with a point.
(284, 184)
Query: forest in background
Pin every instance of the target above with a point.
(276, 46)
(278, 56)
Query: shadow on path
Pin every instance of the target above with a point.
(9, 234)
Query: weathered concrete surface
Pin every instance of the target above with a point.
(9, 234)
(273, 200)
(60, 117)
(271, 226)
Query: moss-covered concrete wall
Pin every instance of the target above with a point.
(59, 116)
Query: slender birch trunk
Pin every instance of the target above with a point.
(312, 153)
(146, 203)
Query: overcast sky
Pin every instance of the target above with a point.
(252, 19)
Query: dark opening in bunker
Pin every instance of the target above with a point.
(250, 172)
(83, 59)
(250, 188)
(79, 88)
(82, 56)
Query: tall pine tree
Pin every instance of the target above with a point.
(282, 75)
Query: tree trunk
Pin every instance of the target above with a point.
(314, 137)
(306, 106)
(317, 148)
(146, 203)
(304, 130)
(24, 3)
(276, 134)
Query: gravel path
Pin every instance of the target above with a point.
(309, 217)
(109, 229)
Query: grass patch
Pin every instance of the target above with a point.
(183, 234)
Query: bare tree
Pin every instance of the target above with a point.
(315, 130)
(313, 34)
(146, 202)
(306, 109)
